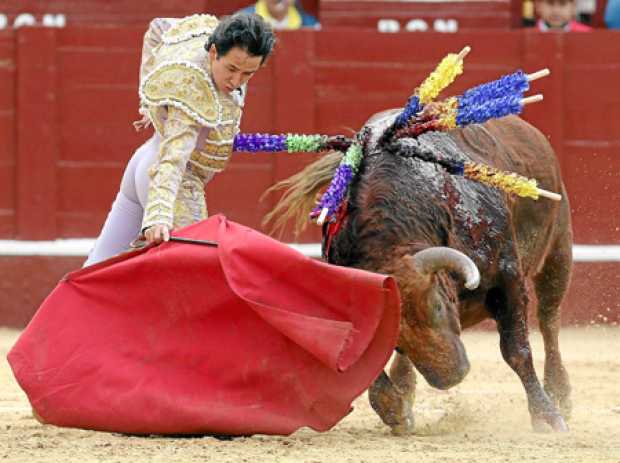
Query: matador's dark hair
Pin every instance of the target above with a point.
(249, 32)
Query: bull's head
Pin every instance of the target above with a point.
(430, 327)
(430, 281)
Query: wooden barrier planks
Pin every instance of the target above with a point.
(37, 133)
(77, 98)
(591, 138)
(118, 12)
(7, 134)
(422, 16)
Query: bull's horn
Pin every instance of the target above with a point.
(434, 259)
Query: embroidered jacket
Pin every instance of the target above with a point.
(196, 122)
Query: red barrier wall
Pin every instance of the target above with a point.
(68, 97)
(123, 12)
(469, 14)
(76, 98)
(7, 134)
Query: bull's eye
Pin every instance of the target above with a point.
(438, 311)
(435, 308)
(435, 302)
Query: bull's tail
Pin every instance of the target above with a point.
(300, 193)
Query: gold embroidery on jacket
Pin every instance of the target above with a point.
(212, 164)
(190, 27)
(186, 87)
(224, 134)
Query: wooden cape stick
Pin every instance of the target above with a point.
(180, 239)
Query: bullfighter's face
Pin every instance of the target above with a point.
(232, 70)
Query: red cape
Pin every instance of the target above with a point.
(249, 337)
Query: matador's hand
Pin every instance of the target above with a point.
(157, 233)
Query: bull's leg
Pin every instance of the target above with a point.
(551, 285)
(510, 308)
(392, 397)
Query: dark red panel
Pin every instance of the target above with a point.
(593, 185)
(37, 128)
(258, 112)
(516, 13)
(7, 190)
(311, 6)
(372, 47)
(592, 49)
(26, 281)
(7, 224)
(7, 134)
(80, 224)
(598, 19)
(236, 191)
(592, 114)
(593, 295)
(7, 78)
(103, 11)
(88, 188)
(294, 83)
(124, 12)
(92, 67)
(366, 13)
(101, 37)
(96, 131)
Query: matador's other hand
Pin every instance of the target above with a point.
(157, 233)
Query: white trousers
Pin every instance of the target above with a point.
(124, 220)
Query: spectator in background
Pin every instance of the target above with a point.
(558, 15)
(612, 14)
(283, 14)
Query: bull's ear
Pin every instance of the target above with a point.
(410, 280)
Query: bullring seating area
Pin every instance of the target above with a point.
(387, 15)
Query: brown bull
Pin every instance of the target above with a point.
(437, 234)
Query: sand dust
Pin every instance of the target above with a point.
(482, 420)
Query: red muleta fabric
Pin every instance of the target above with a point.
(249, 337)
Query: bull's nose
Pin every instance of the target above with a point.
(450, 377)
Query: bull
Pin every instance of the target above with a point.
(461, 252)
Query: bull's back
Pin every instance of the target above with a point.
(511, 144)
(514, 145)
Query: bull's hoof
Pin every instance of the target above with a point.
(544, 424)
(566, 408)
(562, 401)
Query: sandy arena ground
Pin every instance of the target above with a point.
(484, 419)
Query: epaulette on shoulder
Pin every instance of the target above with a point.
(185, 86)
(190, 27)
